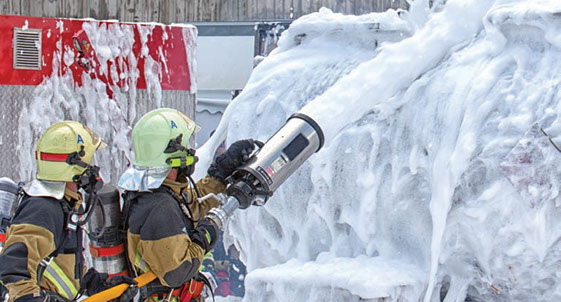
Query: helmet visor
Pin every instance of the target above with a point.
(96, 140)
(191, 125)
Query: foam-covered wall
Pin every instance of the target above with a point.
(109, 107)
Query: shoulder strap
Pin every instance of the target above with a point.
(164, 189)
(68, 229)
(129, 198)
(183, 204)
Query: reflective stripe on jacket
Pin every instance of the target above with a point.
(65, 287)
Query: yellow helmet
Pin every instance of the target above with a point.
(161, 139)
(64, 150)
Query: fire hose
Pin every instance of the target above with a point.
(117, 291)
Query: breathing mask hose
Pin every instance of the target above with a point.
(90, 181)
(194, 186)
(88, 211)
(100, 234)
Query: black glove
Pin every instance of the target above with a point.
(94, 282)
(205, 235)
(131, 291)
(236, 155)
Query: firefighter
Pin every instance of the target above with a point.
(42, 259)
(166, 229)
(229, 271)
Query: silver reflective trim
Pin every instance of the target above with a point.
(44, 188)
(143, 179)
(110, 265)
(59, 281)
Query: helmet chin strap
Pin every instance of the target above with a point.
(186, 171)
(89, 180)
(185, 164)
(175, 145)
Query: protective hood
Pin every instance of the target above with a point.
(143, 179)
(45, 188)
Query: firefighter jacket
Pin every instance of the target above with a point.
(37, 230)
(159, 226)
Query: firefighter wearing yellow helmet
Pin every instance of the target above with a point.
(42, 259)
(166, 229)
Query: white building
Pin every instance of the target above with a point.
(225, 54)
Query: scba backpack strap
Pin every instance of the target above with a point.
(129, 198)
(70, 227)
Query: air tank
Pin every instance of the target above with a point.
(8, 204)
(106, 241)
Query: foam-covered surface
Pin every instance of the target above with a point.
(378, 278)
(416, 131)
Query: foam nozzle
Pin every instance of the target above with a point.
(276, 160)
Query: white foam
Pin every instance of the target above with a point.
(428, 121)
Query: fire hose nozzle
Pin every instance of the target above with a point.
(220, 215)
(269, 167)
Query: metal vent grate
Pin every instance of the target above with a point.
(27, 49)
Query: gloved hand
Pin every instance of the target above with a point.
(206, 235)
(131, 291)
(235, 156)
(94, 282)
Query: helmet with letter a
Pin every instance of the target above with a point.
(65, 150)
(161, 142)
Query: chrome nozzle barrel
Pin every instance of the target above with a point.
(220, 215)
